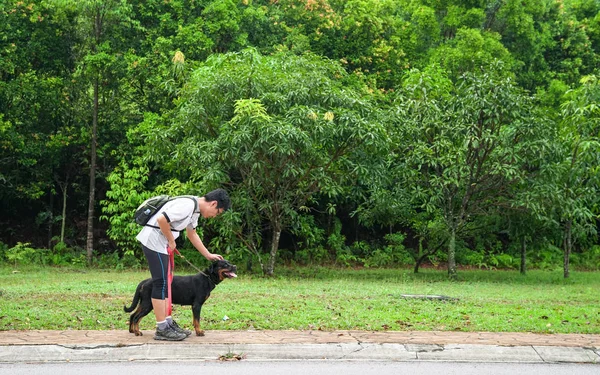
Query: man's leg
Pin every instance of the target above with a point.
(160, 309)
(158, 264)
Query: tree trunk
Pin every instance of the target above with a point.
(567, 246)
(64, 213)
(92, 196)
(50, 220)
(273, 253)
(452, 254)
(523, 255)
(422, 255)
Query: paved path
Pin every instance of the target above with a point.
(122, 337)
(72, 345)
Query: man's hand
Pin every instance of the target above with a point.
(214, 257)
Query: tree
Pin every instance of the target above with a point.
(526, 32)
(572, 54)
(469, 51)
(34, 68)
(101, 29)
(463, 145)
(276, 129)
(575, 171)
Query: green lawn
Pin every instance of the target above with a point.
(308, 298)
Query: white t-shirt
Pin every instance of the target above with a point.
(181, 215)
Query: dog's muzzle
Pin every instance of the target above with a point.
(230, 273)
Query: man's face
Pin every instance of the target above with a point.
(212, 210)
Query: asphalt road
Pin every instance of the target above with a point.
(319, 367)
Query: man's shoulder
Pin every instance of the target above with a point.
(182, 200)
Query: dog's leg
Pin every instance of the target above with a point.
(143, 309)
(196, 312)
(134, 321)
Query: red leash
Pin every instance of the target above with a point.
(170, 270)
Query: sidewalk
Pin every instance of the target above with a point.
(107, 346)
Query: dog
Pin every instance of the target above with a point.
(185, 290)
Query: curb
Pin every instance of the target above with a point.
(270, 352)
(120, 346)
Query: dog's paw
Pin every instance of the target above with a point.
(200, 333)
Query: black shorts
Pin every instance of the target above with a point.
(159, 266)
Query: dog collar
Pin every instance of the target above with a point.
(209, 278)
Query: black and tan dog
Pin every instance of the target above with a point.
(186, 290)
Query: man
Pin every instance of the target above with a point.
(158, 238)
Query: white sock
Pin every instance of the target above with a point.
(162, 325)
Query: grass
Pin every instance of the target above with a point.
(314, 298)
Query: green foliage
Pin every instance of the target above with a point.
(468, 144)
(385, 135)
(223, 26)
(362, 253)
(312, 255)
(311, 240)
(127, 192)
(548, 258)
(22, 254)
(278, 128)
(587, 260)
(61, 255)
(502, 261)
(3, 249)
(470, 50)
(399, 255)
(336, 240)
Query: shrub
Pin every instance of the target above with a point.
(22, 254)
(476, 259)
(380, 258)
(549, 258)
(504, 261)
(345, 257)
(588, 259)
(395, 246)
(3, 250)
(312, 255)
(336, 241)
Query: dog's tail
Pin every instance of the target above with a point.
(136, 299)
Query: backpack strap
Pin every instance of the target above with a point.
(193, 198)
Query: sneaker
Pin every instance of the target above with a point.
(177, 328)
(169, 334)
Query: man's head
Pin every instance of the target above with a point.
(218, 202)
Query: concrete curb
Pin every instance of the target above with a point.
(120, 346)
(263, 352)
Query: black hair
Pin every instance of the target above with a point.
(222, 198)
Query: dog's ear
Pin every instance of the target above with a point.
(213, 265)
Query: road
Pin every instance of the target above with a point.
(316, 367)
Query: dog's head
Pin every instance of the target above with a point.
(223, 270)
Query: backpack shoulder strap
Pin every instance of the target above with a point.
(193, 198)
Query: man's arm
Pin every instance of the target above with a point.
(197, 242)
(165, 228)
